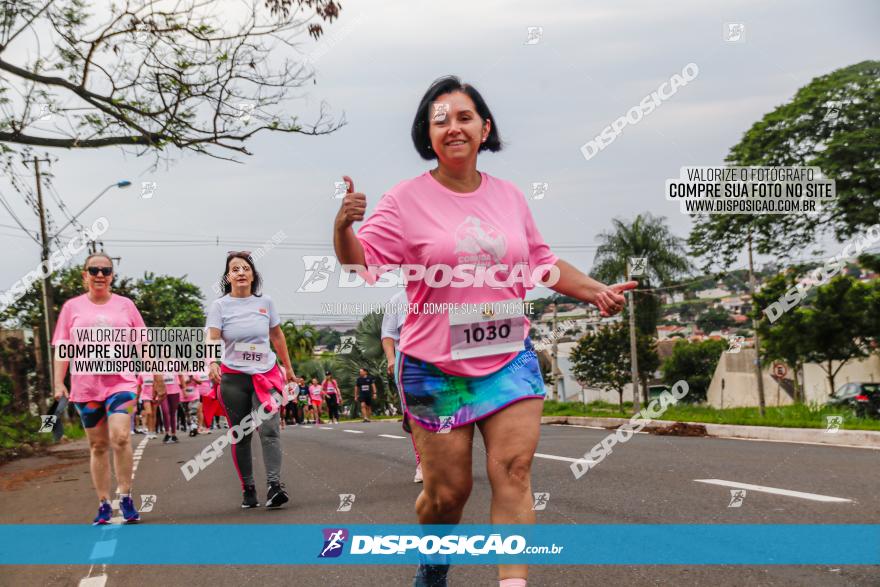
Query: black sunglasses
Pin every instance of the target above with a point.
(105, 271)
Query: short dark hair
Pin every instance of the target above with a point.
(257, 283)
(445, 85)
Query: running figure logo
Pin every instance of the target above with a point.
(346, 500)
(346, 345)
(445, 424)
(340, 188)
(148, 188)
(440, 111)
(334, 541)
(540, 502)
(737, 496)
(736, 343)
(318, 270)
(734, 32)
(147, 503)
(637, 266)
(47, 423)
(833, 424)
(539, 189)
(535, 34)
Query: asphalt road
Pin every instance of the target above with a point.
(650, 479)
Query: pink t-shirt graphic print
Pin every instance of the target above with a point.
(489, 232)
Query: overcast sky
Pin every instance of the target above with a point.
(593, 62)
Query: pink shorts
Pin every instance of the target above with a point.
(147, 394)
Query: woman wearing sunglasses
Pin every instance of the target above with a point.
(452, 367)
(249, 377)
(104, 402)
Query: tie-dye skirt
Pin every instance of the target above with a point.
(439, 401)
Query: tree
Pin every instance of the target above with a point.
(714, 319)
(148, 75)
(166, 301)
(647, 236)
(837, 326)
(832, 123)
(300, 341)
(781, 339)
(599, 360)
(695, 362)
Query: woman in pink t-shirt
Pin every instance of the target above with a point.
(150, 403)
(104, 402)
(469, 251)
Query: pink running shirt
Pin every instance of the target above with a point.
(420, 221)
(80, 312)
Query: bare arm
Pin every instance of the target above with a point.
(574, 283)
(348, 248)
(279, 343)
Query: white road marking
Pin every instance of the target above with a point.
(98, 581)
(325, 428)
(774, 490)
(354, 431)
(391, 436)
(558, 458)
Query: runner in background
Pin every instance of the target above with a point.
(392, 321)
(452, 366)
(302, 402)
(332, 395)
(249, 376)
(173, 384)
(365, 392)
(190, 401)
(104, 401)
(145, 394)
(202, 383)
(315, 399)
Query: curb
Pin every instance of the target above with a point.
(844, 438)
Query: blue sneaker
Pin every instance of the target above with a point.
(431, 576)
(105, 512)
(129, 513)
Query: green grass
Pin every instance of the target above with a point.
(797, 416)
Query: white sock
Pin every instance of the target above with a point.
(512, 583)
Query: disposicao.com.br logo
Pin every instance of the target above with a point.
(430, 544)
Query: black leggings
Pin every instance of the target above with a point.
(239, 399)
(333, 409)
(169, 413)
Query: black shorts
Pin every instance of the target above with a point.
(366, 399)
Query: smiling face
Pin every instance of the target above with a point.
(455, 128)
(100, 283)
(239, 273)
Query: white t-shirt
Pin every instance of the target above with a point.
(244, 322)
(392, 320)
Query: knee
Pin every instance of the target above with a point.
(449, 498)
(119, 441)
(516, 472)
(99, 448)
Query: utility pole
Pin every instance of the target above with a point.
(758, 372)
(48, 301)
(633, 353)
(553, 354)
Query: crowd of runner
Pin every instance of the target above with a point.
(449, 371)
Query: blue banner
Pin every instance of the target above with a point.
(392, 544)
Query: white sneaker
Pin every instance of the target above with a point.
(151, 436)
(418, 477)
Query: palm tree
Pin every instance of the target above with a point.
(647, 236)
(300, 340)
(368, 353)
